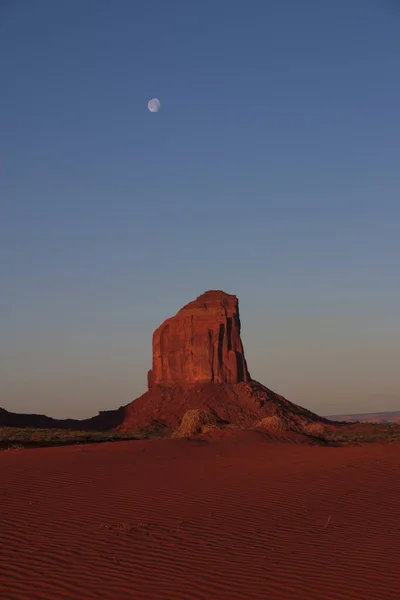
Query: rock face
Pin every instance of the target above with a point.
(201, 344)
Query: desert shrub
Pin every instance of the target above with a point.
(195, 421)
(314, 429)
(272, 423)
(13, 447)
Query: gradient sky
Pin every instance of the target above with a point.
(271, 171)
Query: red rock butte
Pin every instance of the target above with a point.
(199, 363)
(201, 344)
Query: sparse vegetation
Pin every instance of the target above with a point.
(340, 434)
(14, 447)
(362, 433)
(16, 438)
(314, 429)
(195, 422)
(272, 424)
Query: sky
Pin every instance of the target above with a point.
(271, 171)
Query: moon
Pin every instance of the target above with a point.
(154, 105)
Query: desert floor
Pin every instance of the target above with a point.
(227, 518)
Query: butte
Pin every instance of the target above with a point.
(199, 363)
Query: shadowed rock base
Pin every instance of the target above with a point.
(241, 404)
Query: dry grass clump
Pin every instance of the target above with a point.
(195, 421)
(314, 429)
(13, 448)
(272, 423)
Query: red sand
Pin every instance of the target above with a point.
(237, 517)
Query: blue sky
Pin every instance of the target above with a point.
(271, 171)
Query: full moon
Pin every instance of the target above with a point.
(154, 105)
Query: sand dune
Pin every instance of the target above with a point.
(231, 517)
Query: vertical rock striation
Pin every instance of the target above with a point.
(200, 344)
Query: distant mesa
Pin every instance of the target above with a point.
(377, 417)
(198, 364)
(104, 421)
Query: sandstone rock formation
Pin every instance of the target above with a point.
(198, 364)
(201, 344)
